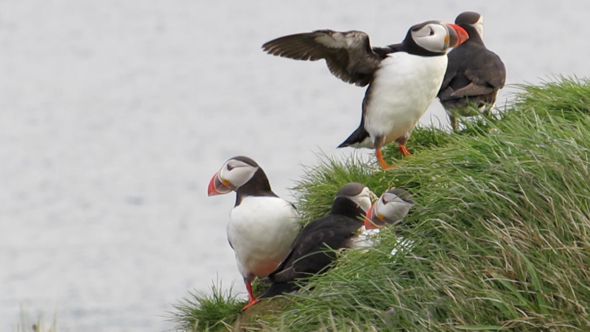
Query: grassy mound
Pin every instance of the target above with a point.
(501, 231)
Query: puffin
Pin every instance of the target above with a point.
(390, 209)
(474, 74)
(403, 79)
(312, 251)
(262, 226)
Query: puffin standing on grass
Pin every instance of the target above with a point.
(474, 75)
(261, 225)
(403, 79)
(313, 249)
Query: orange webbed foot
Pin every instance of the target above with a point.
(402, 148)
(250, 303)
(252, 300)
(382, 162)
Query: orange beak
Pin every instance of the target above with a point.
(218, 186)
(368, 216)
(457, 35)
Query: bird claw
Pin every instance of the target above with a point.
(250, 303)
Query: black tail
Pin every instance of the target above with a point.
(280, 288)
(358, 136)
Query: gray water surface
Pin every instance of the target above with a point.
(115, 114)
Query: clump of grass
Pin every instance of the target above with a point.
(207, 312)
(501, 229)
(26, 324)
(565, 97)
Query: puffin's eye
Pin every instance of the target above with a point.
(431, 32)
(229, 167)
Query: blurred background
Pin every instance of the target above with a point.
(114, 115)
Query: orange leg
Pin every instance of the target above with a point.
(381, 160)
(403, 150)
(252, 300)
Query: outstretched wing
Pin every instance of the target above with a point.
(348, 54)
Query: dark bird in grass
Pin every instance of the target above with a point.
(474, 74)
(313, 250)
(403, 79)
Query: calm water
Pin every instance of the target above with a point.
(114, 116)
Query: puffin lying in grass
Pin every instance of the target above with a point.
(403, 79)
(389, 210)
(262, 226)
(313, 250)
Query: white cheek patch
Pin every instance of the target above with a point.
(363, 199)
(364, 202)
(425, 31)
(395, 211)
(239, 174)
(433, 43)
(479, 27)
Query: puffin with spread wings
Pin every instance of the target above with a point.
(403, 79)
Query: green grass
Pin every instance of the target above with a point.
(501, 230)
(205, 312)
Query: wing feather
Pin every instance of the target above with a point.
(312, 251)
(472, 79)
(348, 54)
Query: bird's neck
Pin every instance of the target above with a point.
(257, 186)
(346, 207)
(474, 36)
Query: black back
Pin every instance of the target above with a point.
(474, 74)
(312, 251)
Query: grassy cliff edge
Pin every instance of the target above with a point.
(501, 232)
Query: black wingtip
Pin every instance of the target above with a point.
(265, 46)
(266, 49)
(358, 136)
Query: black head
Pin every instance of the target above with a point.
(433, 38)
(352, 199)
(242, 175)
(469, 18)
(472, 22)
(389, 209)
(404, 195)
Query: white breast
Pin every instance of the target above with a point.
(261, 230)
(370, 237)
(402, 89)
(366, 239)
